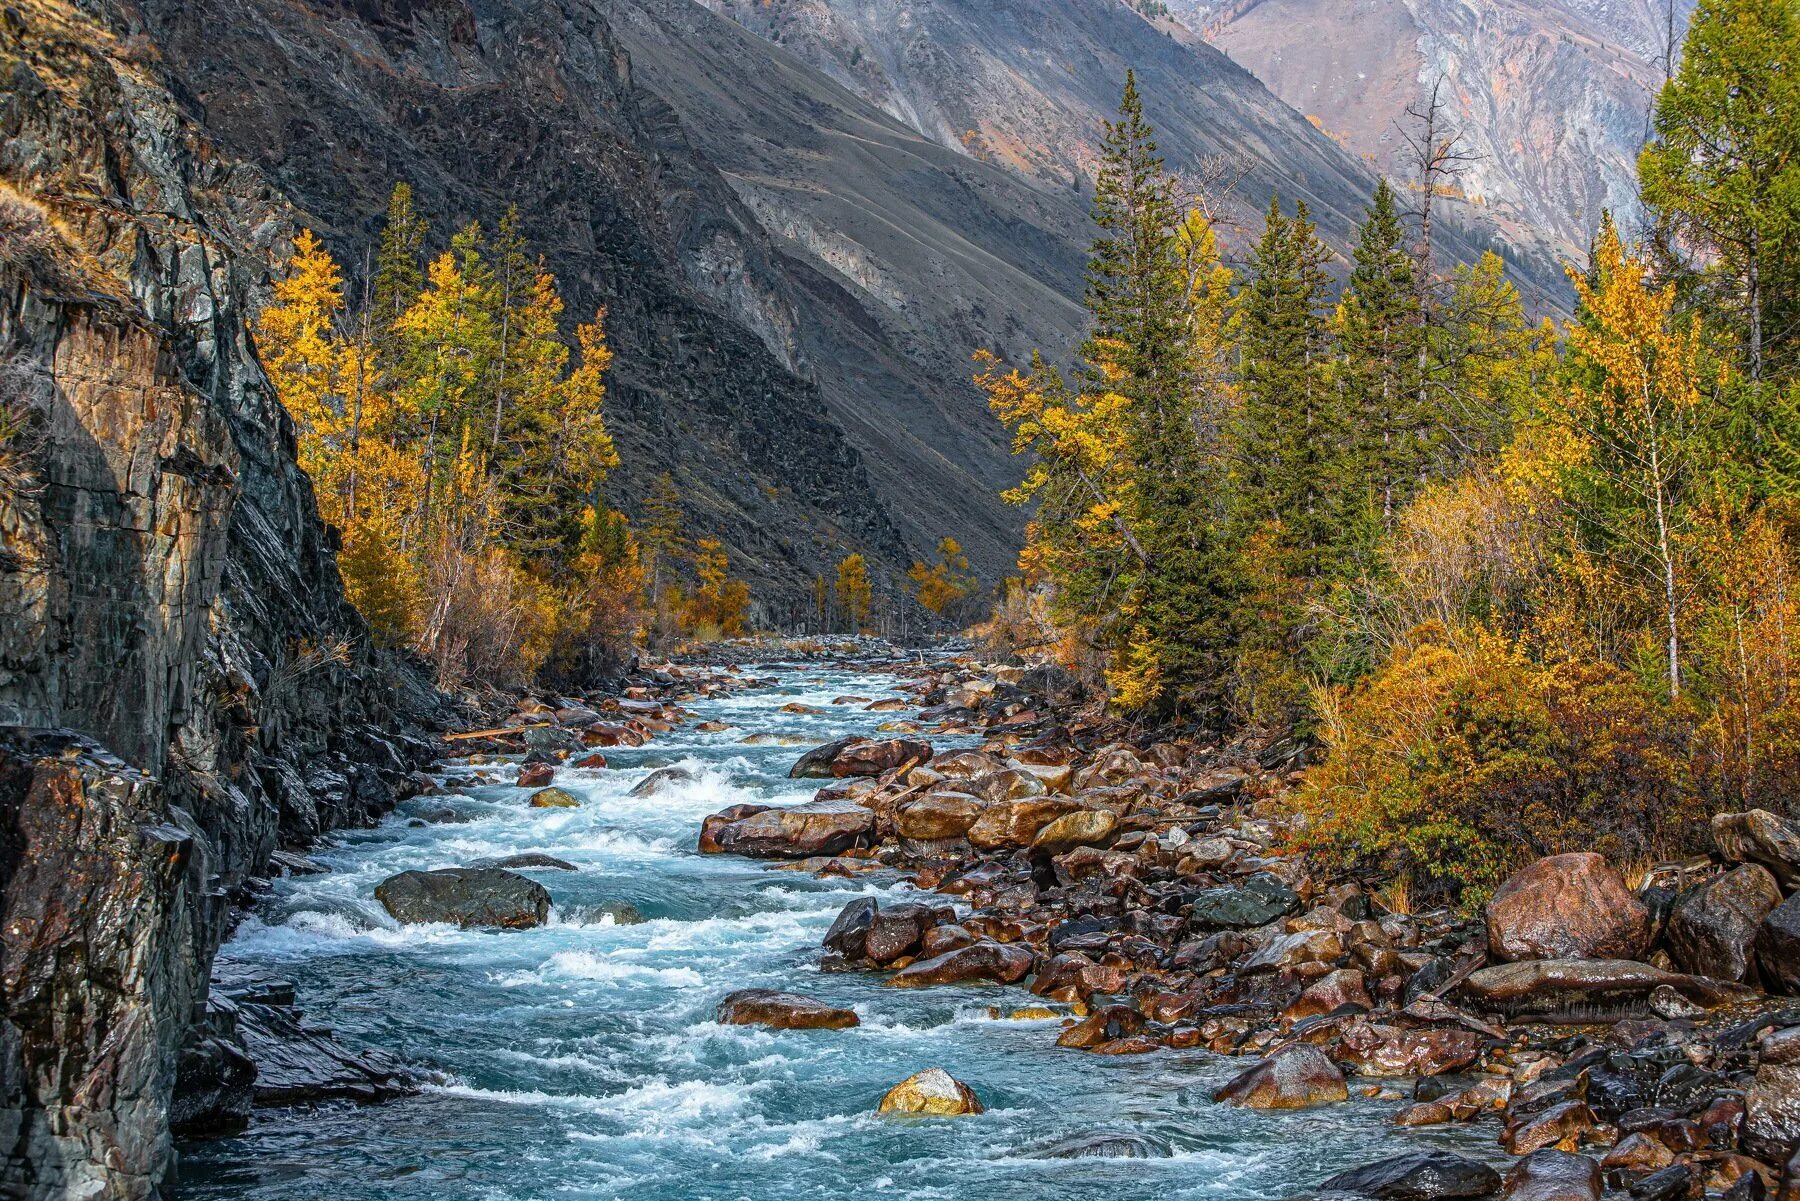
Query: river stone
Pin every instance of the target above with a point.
(1552, 1175)
(1759, 836)
(535, 775)
(1572, 906)
(1772, 1104)
(664, 779)
(937, 816)
(1561, 1125)
(1712, 928)
(527, 861)
(552, 738)
(1297, 1076)
(1377, 1049)
(1015, 823)
(966, 765)
(1778, 947)
(932, 1093)
(554, 798)
(782, 1011)
(896, 931)
(1257, 902)
(713, 823)
(1001, 963)
(816, 763)
(1010, 784)
(1419, 1176)
(828, 827)
(1576, 989)
(1084, 827)
(849, 933)
(465, 896)
(1121, 1145)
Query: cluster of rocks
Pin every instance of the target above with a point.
(1615, 1036)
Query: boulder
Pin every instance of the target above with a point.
(1084, 827)
(1420, 1176)
(1772, 1104)
(554, 798)
(535, 775)
(1257, 902)
(849, 931)
(465, 896)
(1000, 963)
(1121, 1145)
(1297, 1076)
(1377, 1049)
(1015, 823)
(931, 1093)
(816, 763)
(1010, 784)
(1576, 990)
(860, 757)
(663, 779)
(1778, 947)
(1551, 1175)
(799, 831)
(712, 824)
(782, 1011)
(1346, 987)
(1572, 906)
(896, 931)
(1560, 1126)
(1712, 928)
(530, 860)
(937, 816)
(1761, 837)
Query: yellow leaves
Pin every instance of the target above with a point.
(1648, 359)
(853, 591)
(1135, 678)
(720, 605)
(942, 585)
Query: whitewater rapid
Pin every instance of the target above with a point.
(581, 1059)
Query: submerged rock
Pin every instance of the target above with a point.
(1121, 1145)
(782, 1011)
(932, 1092)
(1420, 1176)
(465, 896)
(664, 779)
(554, 798)
(527, 861)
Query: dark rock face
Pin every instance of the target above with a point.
(166, 590)
(1420, 1177)
(1778, 946)
(1712, 928)
(465, 896)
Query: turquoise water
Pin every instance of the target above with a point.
(581, 1059)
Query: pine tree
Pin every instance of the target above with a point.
(399, 275)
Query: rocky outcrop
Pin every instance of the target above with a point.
(167, 593)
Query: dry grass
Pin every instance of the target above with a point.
(1396, 896)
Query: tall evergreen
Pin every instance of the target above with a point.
(399, 270)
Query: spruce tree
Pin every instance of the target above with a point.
(399, 271)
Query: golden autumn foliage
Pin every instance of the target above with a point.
(943, 585)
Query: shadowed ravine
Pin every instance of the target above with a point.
(582, 1059)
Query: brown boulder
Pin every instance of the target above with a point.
(1295, 1077)
(1571, 906)
(930, 1093)
(536, 775)
(895, 931)
(782, 1011)
(711, 825)
(999, 963)
(1551, 1175)
(1084, 827)
(1576, 989)
(1772, 1105)
(799, 831)
(1015, 823)
(936, 816)
(1560, 1126)
(1377, 1049)
(1759, 836)
(1346, 986)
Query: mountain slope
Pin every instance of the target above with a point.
(1552, 96)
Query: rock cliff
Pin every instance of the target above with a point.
(182, 684)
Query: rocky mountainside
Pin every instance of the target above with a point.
(183, 687)
(1552, 96)
(1027, 83)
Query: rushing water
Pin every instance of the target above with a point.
(582, 1059)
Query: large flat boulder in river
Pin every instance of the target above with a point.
(827, 827)
(782, 1011)
(859, 757)
(465, 896)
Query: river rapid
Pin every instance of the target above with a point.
(582, 1060)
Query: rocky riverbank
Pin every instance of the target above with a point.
(1611, 1036)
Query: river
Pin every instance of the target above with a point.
(581, 1059)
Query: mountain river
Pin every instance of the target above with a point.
(581, 1059)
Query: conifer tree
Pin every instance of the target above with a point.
(399, 270)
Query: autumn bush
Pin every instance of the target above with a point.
(1456, 764)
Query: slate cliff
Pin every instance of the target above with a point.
(182, 683)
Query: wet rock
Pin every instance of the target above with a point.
(1376, 1049)
(609, 735)
(1571, 906)
(938, 816)
(859, 757)
(1122, 1145)
(930, 1093)
(1420, 1176)
(1759, 836)
(849, 933)
(465, 896)
(1346, 988)
(535, 775)
(298, 1064)
(1084, 827)
(1297, 1076)
(782, 1011)
(595, 760)
(552, 738)
(215, 1076)
(1014, 823)
(1677, 1182)
(999, 963)
(1008, 785)
(711, 825)
(1293, 950)
(528, 861)
(1560, 1126)
(1257, 902)
(664, 779)
(1575, 989)
(896, 930)
(1712, 928)
(554, 798)
(1778, 947)
(1551, 1175)
(799, 831)
(1638, 1154)
(1772, 1104)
